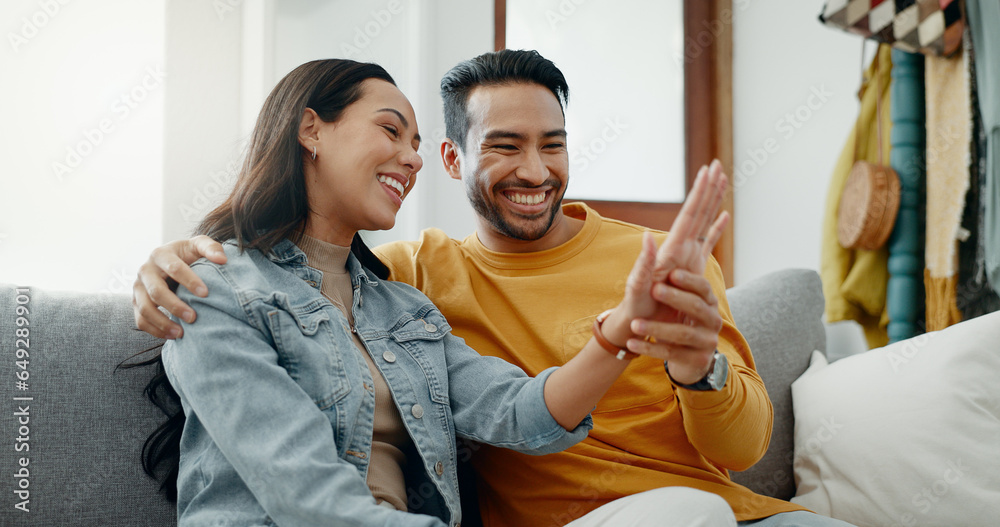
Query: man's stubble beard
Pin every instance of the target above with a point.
(493, 215)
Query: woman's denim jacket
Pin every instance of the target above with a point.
(279, 401)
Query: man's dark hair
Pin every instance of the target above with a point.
(507, 66)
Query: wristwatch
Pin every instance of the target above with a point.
(714, 380)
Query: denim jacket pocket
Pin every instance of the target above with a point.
(307, 349)
(422, 334)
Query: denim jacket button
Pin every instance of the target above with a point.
(389, 356)
(417, 411)
(439, 468)
(430, 328)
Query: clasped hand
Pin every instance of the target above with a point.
(673, 313)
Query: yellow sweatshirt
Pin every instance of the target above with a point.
(536, 311)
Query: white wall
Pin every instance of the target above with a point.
(457, 30)
(81, 142)
(202, 127)
(783, 61)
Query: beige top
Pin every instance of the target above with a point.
(389, 437)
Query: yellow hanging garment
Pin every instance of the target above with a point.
(854, 281)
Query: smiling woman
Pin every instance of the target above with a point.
(356, 177)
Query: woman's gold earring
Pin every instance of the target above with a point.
(314, 153)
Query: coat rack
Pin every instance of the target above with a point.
(905, 292)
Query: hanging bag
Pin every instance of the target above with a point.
(870, 199)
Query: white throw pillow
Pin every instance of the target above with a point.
(905, 435)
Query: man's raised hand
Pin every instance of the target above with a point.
(675, 313)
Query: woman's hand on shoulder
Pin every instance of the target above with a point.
(155, 286)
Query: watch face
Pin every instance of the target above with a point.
(715, 379)
(720, 372)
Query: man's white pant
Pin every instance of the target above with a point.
(663, 507)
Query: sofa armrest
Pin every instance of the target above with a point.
(780, 315)
(86, 421)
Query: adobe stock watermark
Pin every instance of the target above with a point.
(219, 184)
(120, 282)
(787, 127)
(695, 45)
(562, 12)
(377, 23)
(430, 145)
(946, 139)
(120, 110)
(31, 25)
(582, 156)
(224, 7)
(926, 498)
(828, 430)
(903, 353)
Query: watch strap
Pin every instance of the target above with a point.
(708, 382)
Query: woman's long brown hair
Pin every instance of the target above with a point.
(269, 201)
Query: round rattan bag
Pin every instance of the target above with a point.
(868, 206)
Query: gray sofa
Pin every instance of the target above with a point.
(86, 422)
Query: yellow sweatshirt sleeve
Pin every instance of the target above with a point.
(731, 427)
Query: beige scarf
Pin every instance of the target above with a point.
(949, 130)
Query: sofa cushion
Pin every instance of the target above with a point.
(86, 422)
(908, 434)
(84, 458)
(780, 315)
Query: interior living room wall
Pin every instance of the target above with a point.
(794, 101)
(82, 105)
(795, 88)
(202, 123)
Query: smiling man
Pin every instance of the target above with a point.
(515, 172)
(528, 286)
